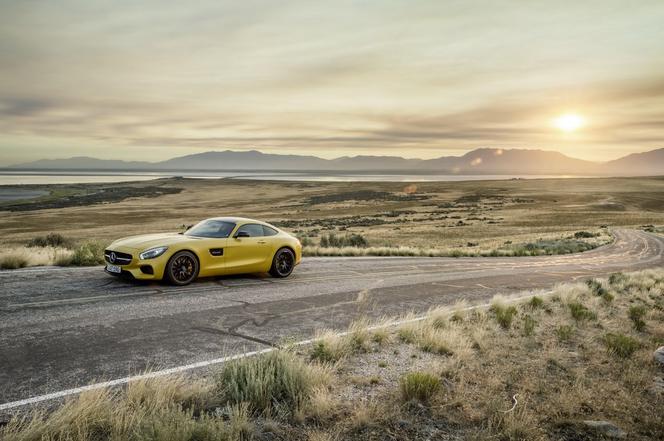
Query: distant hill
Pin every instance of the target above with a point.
(83, 163)
(478, 161)
(646, 163)
(514, 161)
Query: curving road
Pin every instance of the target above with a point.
(61, 328)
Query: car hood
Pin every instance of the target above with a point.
(145, 241)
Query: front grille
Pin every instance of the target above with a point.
(120, 258)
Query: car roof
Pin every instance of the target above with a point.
(238, 220)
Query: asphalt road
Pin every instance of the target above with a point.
(61, 328)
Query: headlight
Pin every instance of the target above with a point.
(152, 253)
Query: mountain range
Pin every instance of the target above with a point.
(478, 161)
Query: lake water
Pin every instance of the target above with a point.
(69, 177)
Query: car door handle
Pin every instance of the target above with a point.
(261, 241)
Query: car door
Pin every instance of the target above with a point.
(247, 250)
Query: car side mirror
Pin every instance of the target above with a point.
(241, 234)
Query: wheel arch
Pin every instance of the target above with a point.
(288, 247)
(198, 260)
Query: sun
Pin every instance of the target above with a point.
(569, 122)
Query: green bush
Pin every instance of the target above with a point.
(551, 247)
(305, 241)
(636, 314)
(529, 324)
(418, 386)
(621, 345)
(585, 235)
(617, 278)
(329, 351)
(536, 302)
(580, 312)
(277, 379)
(54, 240)
(88, 254)
(564, 332)
(350, 240)
(504, 314)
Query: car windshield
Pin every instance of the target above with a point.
(211, 228)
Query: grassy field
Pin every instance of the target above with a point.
(450, 218)
(573, 364)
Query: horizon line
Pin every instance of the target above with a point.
(336, 158)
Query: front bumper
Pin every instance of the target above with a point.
(128, 261)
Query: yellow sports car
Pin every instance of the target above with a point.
(213, 247)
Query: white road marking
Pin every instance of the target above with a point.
(202, 364)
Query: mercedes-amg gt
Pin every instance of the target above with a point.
(213, 247)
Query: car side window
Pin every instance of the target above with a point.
(211, 228)
(267, 231)
(254, 230)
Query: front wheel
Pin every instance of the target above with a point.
(182, 268)
(283, 263)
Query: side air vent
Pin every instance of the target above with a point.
(217, 251)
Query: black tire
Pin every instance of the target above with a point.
(182, 268)
(283, 263)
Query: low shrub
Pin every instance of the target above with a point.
(621, 345)
(585, 235)
(306, 241)
(551, 247)
(616, 278)
(54, 240)
(536, 302)
(504, 314)
(580, 312)
(419, 386)
(597, 289)
(350, 240)
(564, 333)
(529, 324)
(87, 254)
(636, 314)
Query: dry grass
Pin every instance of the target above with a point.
(445, 218)
(31, 256)
(457, 374)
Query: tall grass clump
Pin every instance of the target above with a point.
(636, 314)
(149, 410)
(418, 386)
(536, 302)
(597, 289)
(276, 380)
(504, 314)
(529, 324)
(564, 333)
(621, 345)
(14, 260)
(328, 347)
(580, 313)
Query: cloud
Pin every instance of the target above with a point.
(353, 77)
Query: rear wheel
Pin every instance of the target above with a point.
(283, 263)
(182, 268)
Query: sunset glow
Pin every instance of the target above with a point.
(569, 122)
(150, 79)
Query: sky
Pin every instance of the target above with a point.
(151, 80)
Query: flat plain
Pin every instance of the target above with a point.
(477, 216)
